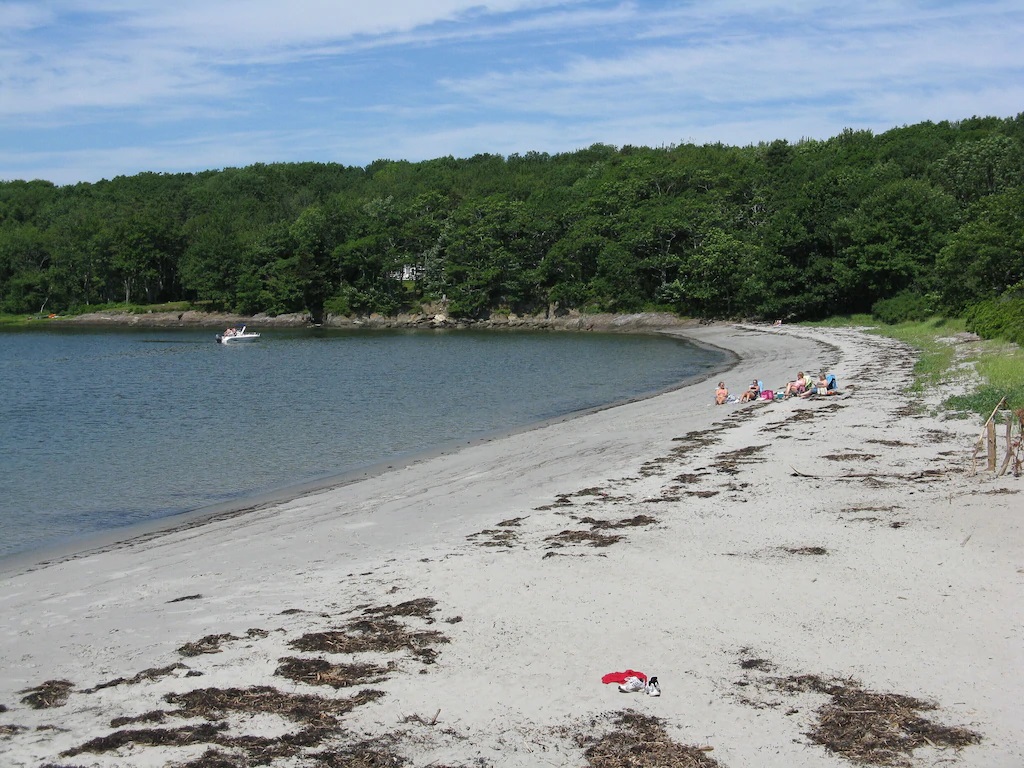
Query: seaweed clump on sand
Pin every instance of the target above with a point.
(213, 703)
(151, 737)
(640, 741)
(318, 716)
(208, 644)
(378, 631)
(153, 673)
(52, 693)
(873, 728)
(590, 538)
(323, 672)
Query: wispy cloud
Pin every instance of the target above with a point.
(93, 89)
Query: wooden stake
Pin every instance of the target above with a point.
(991, 428)
(1009, 447)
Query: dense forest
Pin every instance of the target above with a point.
(919, 219)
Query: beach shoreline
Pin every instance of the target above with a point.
(720, 548)
(430, 318)
(103, 540)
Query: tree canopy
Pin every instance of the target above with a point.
(779, 229)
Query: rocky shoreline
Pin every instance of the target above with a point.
(567, 321)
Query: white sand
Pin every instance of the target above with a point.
(919, 592)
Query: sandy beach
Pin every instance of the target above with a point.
(814, 582)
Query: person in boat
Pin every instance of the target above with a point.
(230, 332)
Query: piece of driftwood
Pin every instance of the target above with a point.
(927, 473)
(990, 441)
(987, 439)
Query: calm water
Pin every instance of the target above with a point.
(101, 429)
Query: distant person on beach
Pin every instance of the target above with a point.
(820, 388)
(752, 392)
(721, 394)
(798, 386)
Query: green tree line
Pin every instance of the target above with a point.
(917, 219)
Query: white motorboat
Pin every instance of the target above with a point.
(236, 336)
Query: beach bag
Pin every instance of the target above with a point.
(767, 394)
(831, 382)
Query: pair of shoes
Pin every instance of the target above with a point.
(653, 689)
(632, 685)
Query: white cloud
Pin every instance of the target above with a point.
(208, 83)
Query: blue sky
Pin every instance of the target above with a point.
(92, 89)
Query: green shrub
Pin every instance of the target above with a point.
(903, 307)
(1001, 318)
(982, 400)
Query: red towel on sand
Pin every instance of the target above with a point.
(620, 677)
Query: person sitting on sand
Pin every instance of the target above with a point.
(721, 394)
(820, 388)
(752, 392)
(798, 386)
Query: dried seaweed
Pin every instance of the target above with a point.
(698, 438)
(629, 522)
(873, 728)
(806, 550)
(214, 758)
(591, 538)
(654, 466)
(512, 521)
(318, 716)
(379, 635)
(153, 716)
(365, 754)
(322, 672)
(52, 693)
(849, 456)
(214, 703)
(153, 673)
(890, 508)
(421, 607)
(208, 644)
(186, 597)
(640, 741)
(150, 737)
(494, 538)
(6, 731)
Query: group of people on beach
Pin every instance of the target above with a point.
(802, 386)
